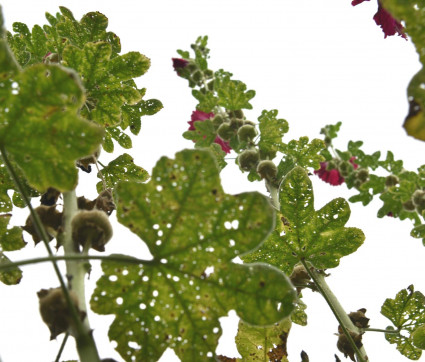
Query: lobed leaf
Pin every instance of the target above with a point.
(272, 130)
(407, 312)
(263, 343)
(10, 239)
(41, 130)
(193, 230)
(305, 234)
(10, 276)
(121, 169)
(232, 94)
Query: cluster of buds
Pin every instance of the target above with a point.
(189, 70)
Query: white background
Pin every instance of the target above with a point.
(317, 62)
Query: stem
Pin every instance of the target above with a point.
(338, 311)
(113, 258)
(65, 339)
(76, 272)
(389, 331)
(41, 231)
(274, 194)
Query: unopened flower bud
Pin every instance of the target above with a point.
(248, 159)
(246, 133)
(225, 132)
(362, 174)
(409, 206)
(267, 169)
(391, 180)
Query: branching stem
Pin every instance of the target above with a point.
(65, 339)
(336, 308)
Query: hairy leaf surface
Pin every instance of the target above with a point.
(407, 312)
(193, 230)
(305, 234)
(41, 129)
(263, 343)
(272, 130)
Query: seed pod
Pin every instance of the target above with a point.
(225, 132)
(409, 206)
(55, 312)
(91, 227)
(359, 318)
(391, 180)
(246, 133)
(267, 169)
(418, 198)
(248, 159)
(345, 347)
(362, 174)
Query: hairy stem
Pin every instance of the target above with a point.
(113, 258)
(338, 311)
(41, 231)
(65, 339)
(76, 273)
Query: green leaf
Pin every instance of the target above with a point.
(207, 101)
(392, 165)
(219, 155)
(131, 114)
(411, 12)
(407, 312)
(299, 315)
(305, 234)
(43, 134)
(10, 239)
(176, 299)
(373, 186)
(123, 140)
(10, 276)
(272, 130)
(103, 79)
(301, 153)
(121, 169)
(7, 60)
(232, 94)
(419, 337)
(263, 343)
(362, 159)
(203, 135)
(331, 130)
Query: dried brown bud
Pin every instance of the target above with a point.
(55, 312)
(93, 227)
(51, 219)
(359, 318)
(345, 347)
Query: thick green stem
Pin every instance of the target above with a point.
(76, 273)
(337, 309)
(274, 194)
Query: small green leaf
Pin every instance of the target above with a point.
(10, 239)
(121, 169)
(272, 130)
(131, 114)
(10, 276)
(407, 312)
(263, 343)
(305, 234)
(232, 94)
(123, 140)
(419, 337)
(207, 101)
(299, 315)
(44, 135)
(191, 282)
(331, 130)
(204, 133)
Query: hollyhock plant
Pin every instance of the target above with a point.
(333, 176)
(179, 64)
(202, 116)
(385, 20)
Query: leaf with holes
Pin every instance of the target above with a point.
(42, 131)
(263, 343)
(121, 169)
(193, 230)
(305, 234)
(10, 239)
(272, 130)
(407, 312)
(9, 276)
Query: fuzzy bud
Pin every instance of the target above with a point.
(236, 114)
(391, 180)
(359, 318)
(248, 159)
(93, 227)
(217, 121)
(267, 169)
(345, 347)
(409, 206)
(225, 132)
(418, 198)
(55, 312)
(246, 133)
(362, 174)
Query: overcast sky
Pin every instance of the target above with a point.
(317, 62)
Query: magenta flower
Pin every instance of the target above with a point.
(179, 64)
(202, 116)
(333, 176)
(385, 20)
(389, 25)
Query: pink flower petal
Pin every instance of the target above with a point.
(389, 25)
(357, 2)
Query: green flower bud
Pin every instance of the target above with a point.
(236, 123)
(225, 132)
(210, 85)
(332, 165)
(197, 76)
(191, 67)
(418, 198)
(248, 159)
(357, 183)
(246, 133)
(217, 120)
(248, 122)
(267, 169)
(362, 174)
(208, 73)
(391, 180)
(328, 140)
(409, 206)
(236, 114)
